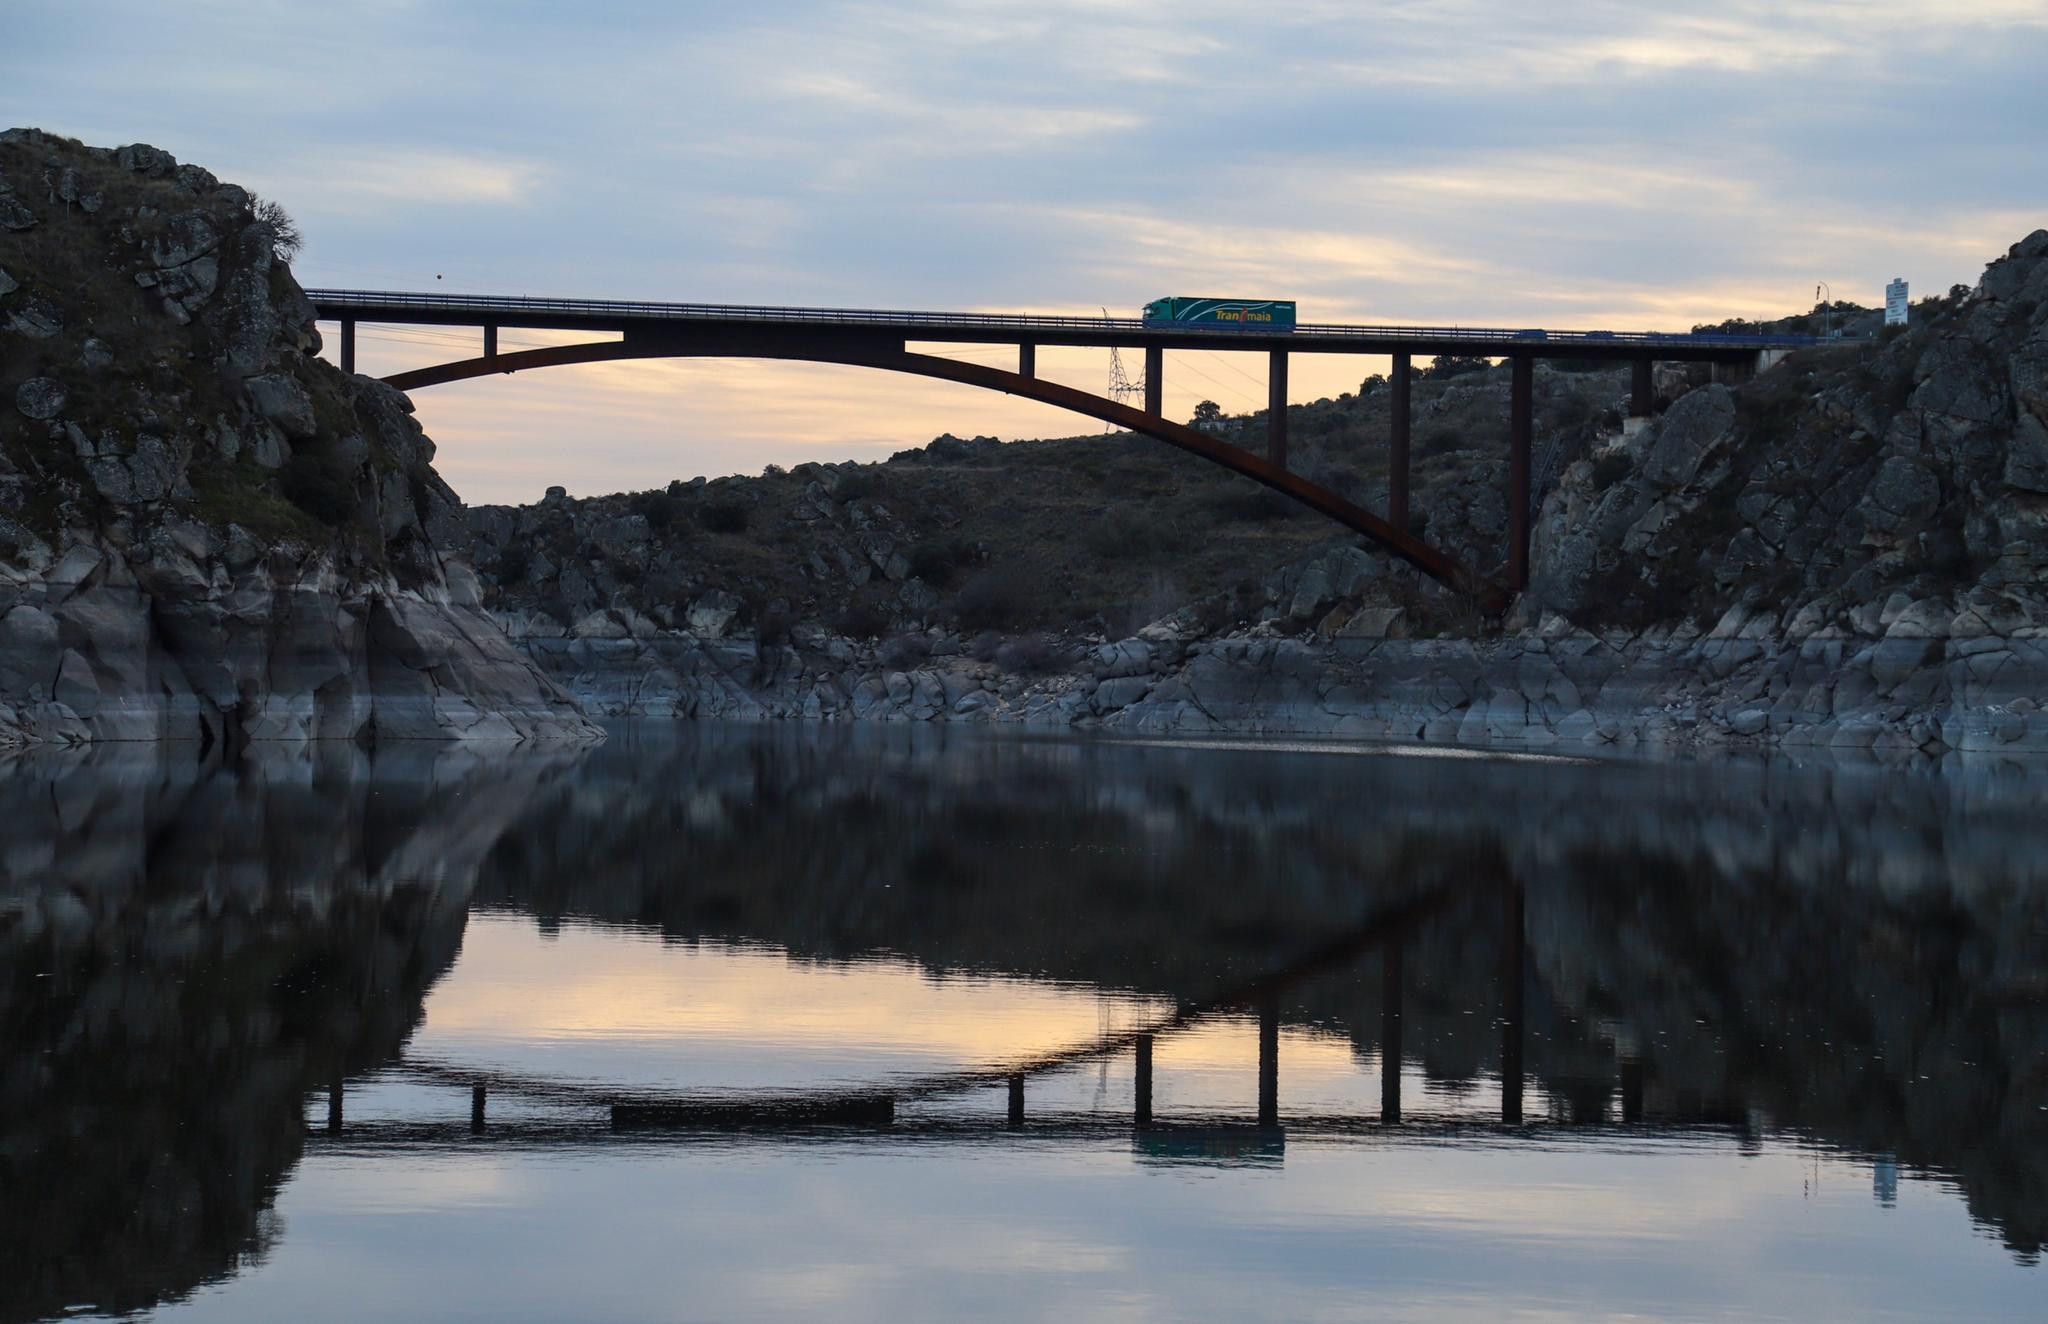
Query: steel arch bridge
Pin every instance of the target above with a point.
(876, 338)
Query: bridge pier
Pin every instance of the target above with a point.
(476, 1110)
(1639, 394)
(1027, 359)
(1511, 1009)
(348, 345)
(1390, 1033)
(1155, 379)
(1397, 446)
(1141, 1089)
(490, 340)
(1269, 1061)
(334, 1105)
(1276, 410)
(1016, 1117)
(1519, 429)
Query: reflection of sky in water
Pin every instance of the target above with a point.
(1563, 1223)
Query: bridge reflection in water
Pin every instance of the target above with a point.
(588, 1114)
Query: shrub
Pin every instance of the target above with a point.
(1028, 654)
(1439, 440)
(512, 563)
(724, 516)
(904, 651)
(320, 485)
(860, 620)
(855, 484)
(659, 509)
(1611, 468)
(992, 599)
(1125, 533)
(1259, 505)
(937, 561)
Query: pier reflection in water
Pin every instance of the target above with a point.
(709, 1023)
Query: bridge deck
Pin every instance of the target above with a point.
(643, 318)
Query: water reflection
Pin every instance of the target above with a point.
(700, 937)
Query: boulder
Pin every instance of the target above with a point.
(1698, 425)
(280, 398)
(40, 398)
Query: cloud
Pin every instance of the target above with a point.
(1607, 163)
(372, 179)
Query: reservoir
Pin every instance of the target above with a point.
(889, 1022)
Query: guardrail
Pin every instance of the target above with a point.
(333, 302)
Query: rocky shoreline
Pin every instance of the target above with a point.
(1923, 676)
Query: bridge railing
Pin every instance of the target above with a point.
(366, 303)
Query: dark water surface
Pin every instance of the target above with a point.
(926, 1024)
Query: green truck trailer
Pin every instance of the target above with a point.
(1222, 314)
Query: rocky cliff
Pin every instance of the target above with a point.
(205, 531)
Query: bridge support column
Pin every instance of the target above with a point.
(1155, 379)
(1639, 399)
(1016, 1119)
(490, 340)
(1631, 1089)
(1269, 1062)
(348, 344)
(1397, 447)
(334, 1105)
(1390, 1033)
(1276, 409)
(1027, 360)
(1511, 1008)
(476, 1110)
(1519, 429)
(1141, 1090)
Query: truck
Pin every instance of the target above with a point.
(1221, 314)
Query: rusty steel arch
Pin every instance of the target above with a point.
(827, 349)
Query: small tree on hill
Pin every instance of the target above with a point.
(285, 238)
(1207, 415)
(1456, 365)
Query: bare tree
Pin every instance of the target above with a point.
(285, 239)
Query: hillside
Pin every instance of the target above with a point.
(1096, 534)
(206, 532)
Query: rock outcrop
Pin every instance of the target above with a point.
(205, 531)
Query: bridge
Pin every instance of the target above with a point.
(880, 338)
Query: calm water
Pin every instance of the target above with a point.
(913, 1024)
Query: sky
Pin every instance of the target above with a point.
(1608, 164)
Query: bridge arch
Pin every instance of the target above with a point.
(1399, 542)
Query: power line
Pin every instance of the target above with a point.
(1251, 400)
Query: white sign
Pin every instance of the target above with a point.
(1895, 303)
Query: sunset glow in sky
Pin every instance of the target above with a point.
(1599, 165)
